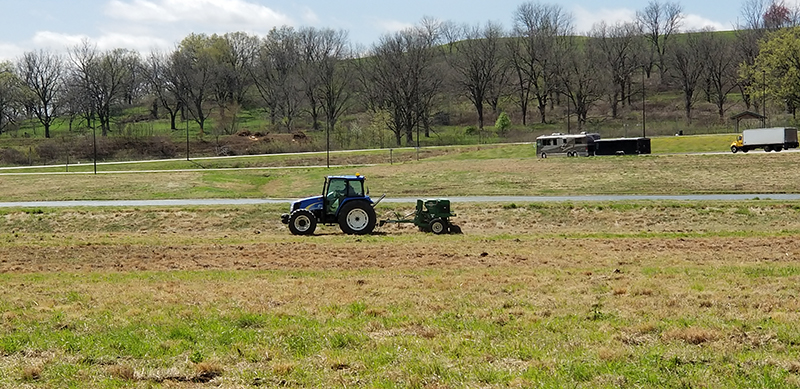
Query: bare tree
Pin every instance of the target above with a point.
(104, 77)
(721, 64)
(618, 49)
(398, 78)
(276, 75)
(312, 52)
(326, 88)
(478, 62)
(536, 51)
(749, 33)
(233, 54)
(158, 72)
(582, 80)
(752, 14)
(43, 74)
(687, 69)
(660, 21)
(10, 96)
(334, 82)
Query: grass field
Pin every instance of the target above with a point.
(473, 170)
(582, 294)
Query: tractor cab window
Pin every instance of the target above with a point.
(337, 190)
(355, 189)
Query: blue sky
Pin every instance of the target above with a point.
(145, 25)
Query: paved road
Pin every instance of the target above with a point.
(456, 199)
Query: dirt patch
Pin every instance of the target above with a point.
(440, 253)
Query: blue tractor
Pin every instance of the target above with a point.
(344, 201)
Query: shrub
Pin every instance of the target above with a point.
(503, 123)
(10, 156)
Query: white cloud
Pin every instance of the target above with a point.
(309, 16)
(142, 44)
(9, 51)
(585, 19)
(389, 26)
(225, 15)
(62, 43)
(56, 41)
(696, 22)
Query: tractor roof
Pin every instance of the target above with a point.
(355, 177)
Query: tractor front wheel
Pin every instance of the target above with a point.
(302, 222)
(357, 218)
(438, 226)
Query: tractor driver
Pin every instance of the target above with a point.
(336, 192)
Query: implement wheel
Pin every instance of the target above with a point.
(302, 222)
(438, 226)
(357, 218)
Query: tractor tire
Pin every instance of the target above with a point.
(357, 218)
(454, 229)
(438, 226)
(734, 149)
(302, 222)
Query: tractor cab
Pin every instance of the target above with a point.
(339, 189)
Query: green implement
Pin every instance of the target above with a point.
(430, 216)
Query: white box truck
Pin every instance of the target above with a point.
(769, 139)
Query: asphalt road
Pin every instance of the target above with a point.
(456, 199)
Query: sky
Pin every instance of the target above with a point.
(147, 25)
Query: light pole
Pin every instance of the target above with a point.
(328, 144)
(764, 98)
(94, 142)
(569, 126)
(644, 105)
(417, 142)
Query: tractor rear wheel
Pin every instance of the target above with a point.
(438, 226)
(302, 222)
(357, 218)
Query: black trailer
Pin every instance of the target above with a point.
(622, 146)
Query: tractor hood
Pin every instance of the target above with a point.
(310, 203)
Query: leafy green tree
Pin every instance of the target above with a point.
(195, 66)
(503, 122)
(776, 71)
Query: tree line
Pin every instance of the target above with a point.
(315, 75)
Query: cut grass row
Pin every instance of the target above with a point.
(245, 224)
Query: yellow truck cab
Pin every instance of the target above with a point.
(737, 144)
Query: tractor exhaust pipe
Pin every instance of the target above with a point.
(379, 200)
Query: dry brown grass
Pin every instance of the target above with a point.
(692, 335)
(31, 373)
(123, 372)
